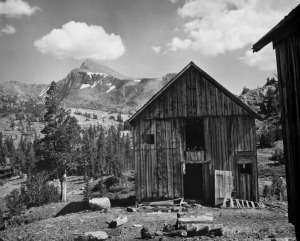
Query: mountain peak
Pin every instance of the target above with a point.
(96, 67)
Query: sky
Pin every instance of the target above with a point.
(43, 40)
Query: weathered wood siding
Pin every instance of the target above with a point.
(192, 96)
(228, 129)
(288, 66)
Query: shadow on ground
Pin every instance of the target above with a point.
(73, 207)
(123, 202)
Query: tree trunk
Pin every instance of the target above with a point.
(63, 187)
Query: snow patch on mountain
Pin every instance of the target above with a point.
(110, 88)
(137, 80)
(44, 91)
(84, 86)
(90, 74)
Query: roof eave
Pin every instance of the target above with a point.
(212, 80)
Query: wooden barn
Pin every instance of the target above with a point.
(195, 139)
(285, 37)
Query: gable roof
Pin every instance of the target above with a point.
(288, 25)
(208, 78)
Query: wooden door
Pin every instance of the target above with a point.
(245, 186)
(223, 185)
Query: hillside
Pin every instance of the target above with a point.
(91, 86)
(265, 101)
(94, 86)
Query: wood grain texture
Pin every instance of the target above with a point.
(228, 130)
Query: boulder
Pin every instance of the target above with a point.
(99, 203)
(93, 236)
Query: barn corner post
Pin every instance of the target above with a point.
(181, 140)
(285, 37)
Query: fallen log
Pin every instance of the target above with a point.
(205, 218)
(215, 229)
(112, 232)
(176, 233)
(194, 229)
(163, 203)
(118, 222)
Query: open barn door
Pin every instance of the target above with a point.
(223, 185)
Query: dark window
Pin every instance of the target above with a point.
(194, 131)
(245, 168)
(148, 139)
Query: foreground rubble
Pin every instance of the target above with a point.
(56, 222)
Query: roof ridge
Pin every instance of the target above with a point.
(209, 78)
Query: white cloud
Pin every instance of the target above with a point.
(173, 1)
(156, 49)
(215, 27)
(81, 41)
(177, 43)
(264, 59)
(8, 29)
(17, 8)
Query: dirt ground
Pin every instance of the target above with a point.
(65, 221)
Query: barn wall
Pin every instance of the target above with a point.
(159, 165)
(288, 66)
(192, 95)
(229, 130)
(158, 168)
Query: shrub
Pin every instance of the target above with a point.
(277, 187)
(127, 126)
(245, 90)
(266, 139)
(111, 181)
(101, 188)
(277, 190)
(87, 193)
(95, 116)
(278, 155)
(35, 192)
(38, 192)
(119, 118)
(266, 193)
(112, 117)
(15, 202)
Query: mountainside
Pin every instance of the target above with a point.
(265, 101)
(94, 86)
(91, 86)
(14, 92)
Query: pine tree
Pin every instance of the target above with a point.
(30, 159)
(101, 152)
(62, 136)
(129, 153)
(88, 150)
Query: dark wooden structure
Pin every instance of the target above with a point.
(195, 139)
(286, 42)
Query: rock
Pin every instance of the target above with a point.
(168, 228)
(130, 209)
(93, 236)
(99, 203)
(145, 233)
(118, 221)
(158, 233)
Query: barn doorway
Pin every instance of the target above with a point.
(193, 181)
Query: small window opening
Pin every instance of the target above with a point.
(194, 130)
(148, 139)
(245, 168)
